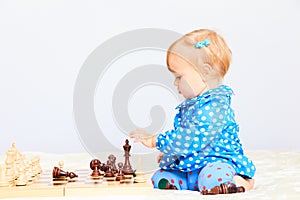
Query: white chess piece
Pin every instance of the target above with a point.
(30, 171)
(61, 165)
(38, 165)
(22, 179)
(4, 182)
(9, 164)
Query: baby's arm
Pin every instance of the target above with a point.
(140, 135)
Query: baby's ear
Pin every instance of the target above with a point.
(206, 71)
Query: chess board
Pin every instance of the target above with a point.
(44, 185)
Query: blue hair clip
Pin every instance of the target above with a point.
(205, 43)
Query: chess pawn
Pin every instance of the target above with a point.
(35, 169)
(120, 175)
(127, 170)
(9, 171)
(31, 174)
(58, 173)
(112, 158)
(14, 151)
(109, 173)
(10, 167)
(27, 170)
(4, 182)
(22, 179)
(103, 167)
(95, 166)
(61, 165)
(38, 165)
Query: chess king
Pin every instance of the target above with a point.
(127, 170)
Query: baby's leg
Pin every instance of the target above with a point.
(193, 179)
(163, 179)
(215, 174)
(248, 184)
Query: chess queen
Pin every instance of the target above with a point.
(203, 150)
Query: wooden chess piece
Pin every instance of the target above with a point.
(112, 158)
(120, 175)
(127, 170)
(61, 165)
(57, 173)
(38, 165)
(109, 173)
(22, 179)
(103, 167)
(4, 182)
(224, 189)
(10, 167)
(95, 166)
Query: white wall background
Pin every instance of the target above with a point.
(43, 45)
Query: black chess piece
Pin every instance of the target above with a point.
(58, 173)
(109, 173)
(103, 167)
(224, 189)
(120, 175)
(112, 158)
(95, 166)
(127, 169)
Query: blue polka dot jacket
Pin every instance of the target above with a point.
(205, 131)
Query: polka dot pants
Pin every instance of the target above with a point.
(213, 174)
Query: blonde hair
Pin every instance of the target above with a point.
(217, 53)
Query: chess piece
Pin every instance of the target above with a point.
(4, 182)
(35, 166)
(27, 171)
(22, 179)
(120, 175)
(38, 165)
(127, 169)
(103, 167)
(95, 166)
(224, 189)
(31, 173)
(112, 158)
(57, 173)
(109, 173)
(61, 164)
(11, 173)
(15, 164)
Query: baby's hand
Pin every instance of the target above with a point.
(140, 135)
(159, 157)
